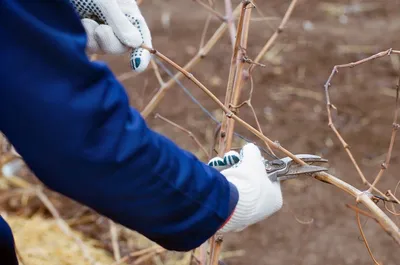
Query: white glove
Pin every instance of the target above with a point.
(259, 198)
(115, 26)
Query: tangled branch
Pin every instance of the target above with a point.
(330, 106)
(363, 197)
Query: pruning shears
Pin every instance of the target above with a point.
(277, 169)
(286, 168)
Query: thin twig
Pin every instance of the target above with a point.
(395, 192)
(258, 19)
(330, 106)
(362, 212)
(191, 135)
(138, 253)
(199, 56)
(204, 32)
(390, 211)
(274, 36)
(148, 256)
(217, 250)
(229, 19)
(250, 105)
(114, 240)
(365, 213)
(157, 72)
(206, 26)
(395, 127)
(263, 17)
(211, 10)
(365, 239)
(393, 196)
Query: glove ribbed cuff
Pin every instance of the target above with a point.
(245, 208)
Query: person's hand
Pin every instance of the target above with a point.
(259, 198)
(114, 27)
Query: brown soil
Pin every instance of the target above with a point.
(296, 119)
(314, 226)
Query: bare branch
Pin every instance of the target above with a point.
(365, 239)
(232, 95)
(143, 252)
(235, 81)
(204, 33)
(362, 212)
(392, 211)
(191, 135)
(395, 127)
(274, 36)
(200, 55)
(228, 112)
(211, 10)
(239, 75)
(148, 256)
(365, 198)
(230, 19)
(217, 250)
(157, 72)
(388, 225)
(393, 196)
(248, 103)
(330, 106)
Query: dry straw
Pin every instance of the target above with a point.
(42, 242)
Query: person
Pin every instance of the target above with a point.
(70, 119)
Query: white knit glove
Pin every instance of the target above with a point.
(259, 198)
(115, 26)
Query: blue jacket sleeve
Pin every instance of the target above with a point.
(71, 121)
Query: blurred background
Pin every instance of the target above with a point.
(314, 226)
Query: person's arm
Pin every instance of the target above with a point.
(70, 120)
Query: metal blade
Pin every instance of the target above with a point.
(286, 168)
(296, 171)
(306, 158)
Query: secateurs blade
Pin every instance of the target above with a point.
(286, 168)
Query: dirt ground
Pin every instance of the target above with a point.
(314, 226)
(290, 103)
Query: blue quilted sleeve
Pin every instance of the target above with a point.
(71, 121)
